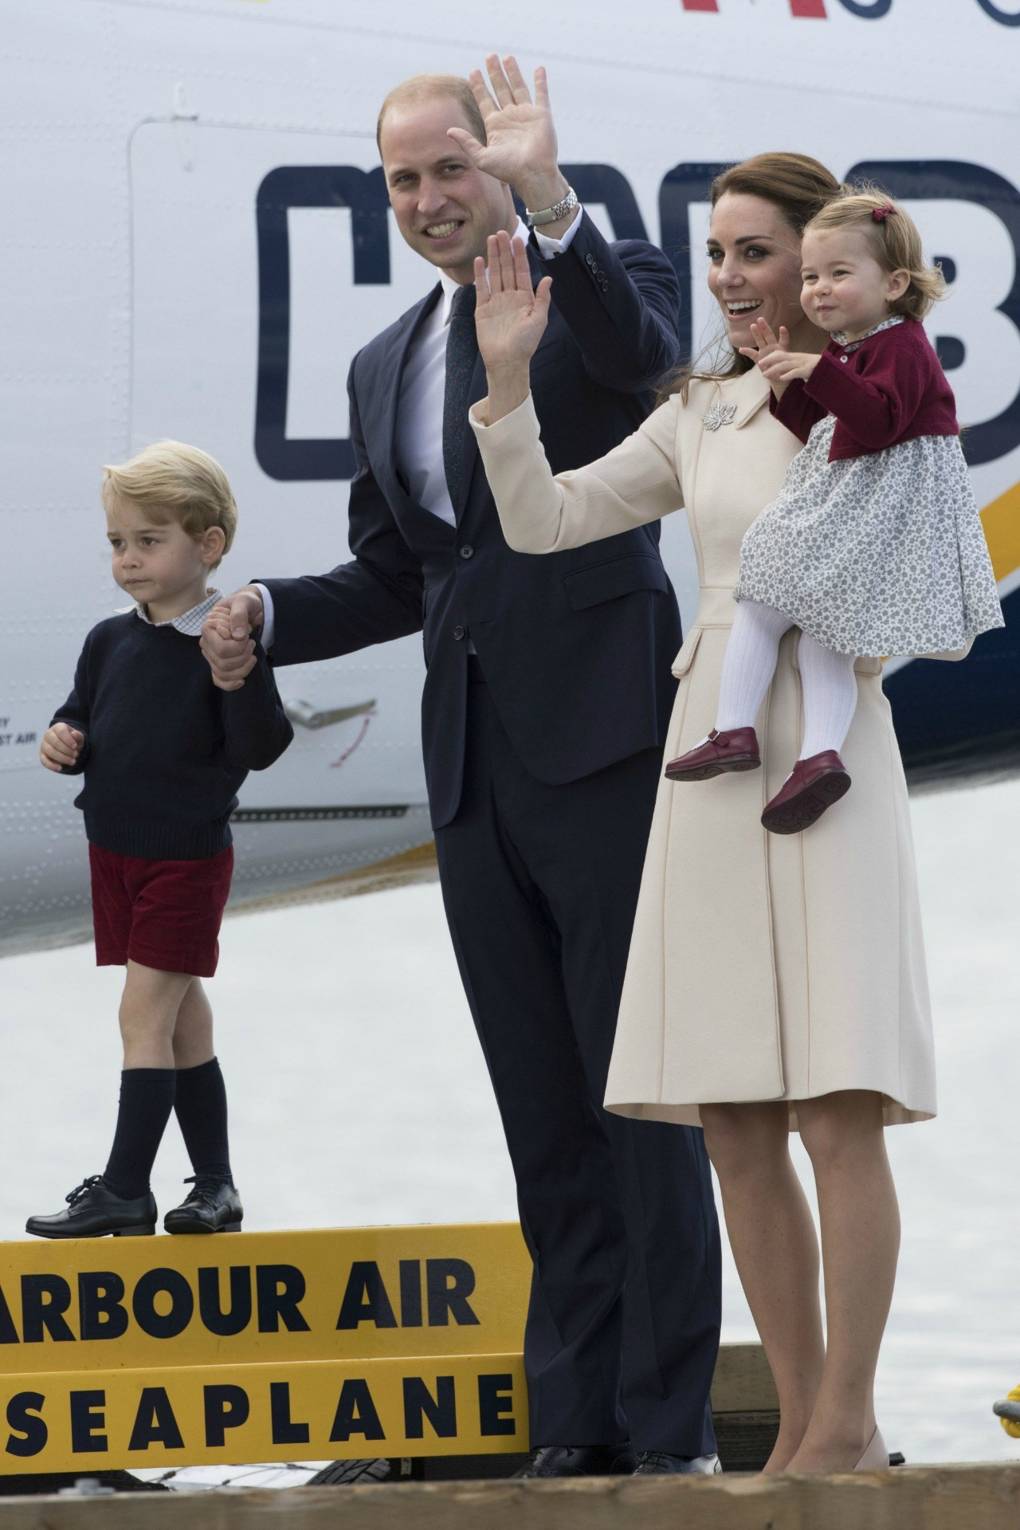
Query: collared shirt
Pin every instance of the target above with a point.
(189, 622)
(419, 432)
(842, 339)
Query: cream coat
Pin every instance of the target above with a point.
(762, 967)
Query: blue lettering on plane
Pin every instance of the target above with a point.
(364, 193)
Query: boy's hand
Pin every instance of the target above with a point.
(61, 746)
(771, 354)
(226, 638)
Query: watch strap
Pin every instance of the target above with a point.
(553, 214)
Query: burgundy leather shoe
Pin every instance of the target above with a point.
(732, 749)
(814, 785)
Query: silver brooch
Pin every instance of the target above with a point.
(719, 414)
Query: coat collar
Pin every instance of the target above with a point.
(750, 392)
(744, 394)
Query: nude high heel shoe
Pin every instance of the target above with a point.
(875, 1457)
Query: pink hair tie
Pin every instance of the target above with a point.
(879, 214)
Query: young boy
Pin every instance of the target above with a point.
(163, 754)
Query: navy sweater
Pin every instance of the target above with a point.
(165, 751)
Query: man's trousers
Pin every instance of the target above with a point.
(540, 885)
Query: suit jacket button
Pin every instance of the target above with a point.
(589, 259)
(467, 551)
(459, 634)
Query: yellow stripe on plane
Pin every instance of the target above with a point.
(1001, 520)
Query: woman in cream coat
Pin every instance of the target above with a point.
(774, 983)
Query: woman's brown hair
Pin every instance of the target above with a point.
(799, 187)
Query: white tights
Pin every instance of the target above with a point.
(827, 679)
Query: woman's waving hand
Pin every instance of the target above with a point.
(510, 319)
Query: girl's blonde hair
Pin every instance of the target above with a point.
(174, 482)
(894, 240)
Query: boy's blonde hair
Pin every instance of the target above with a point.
(894, 239)
(171, 481)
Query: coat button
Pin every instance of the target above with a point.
(842, 358)
(459, 634)
(467, 551)
(589, 259)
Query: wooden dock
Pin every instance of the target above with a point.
(918, 1498)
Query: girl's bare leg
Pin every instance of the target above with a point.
(775, 1248)
(843, 1134)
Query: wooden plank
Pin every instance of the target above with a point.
(743, 1382)
(922, 1498)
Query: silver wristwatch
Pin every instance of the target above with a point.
(552, 214)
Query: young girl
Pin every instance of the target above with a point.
(874, 545)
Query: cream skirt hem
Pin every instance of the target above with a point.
(894, 1112)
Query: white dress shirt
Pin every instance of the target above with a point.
(419, 432)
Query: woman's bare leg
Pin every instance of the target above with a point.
(843, 1134)
(772, 1236)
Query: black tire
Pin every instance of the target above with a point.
(344, 1473)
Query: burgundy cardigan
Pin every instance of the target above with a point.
(890, 389)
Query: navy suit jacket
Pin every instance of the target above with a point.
(576, 646)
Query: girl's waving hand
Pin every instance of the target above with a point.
(772, 355)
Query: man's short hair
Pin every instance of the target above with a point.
(423, 87)
(171, 481)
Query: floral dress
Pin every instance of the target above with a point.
(879, 554)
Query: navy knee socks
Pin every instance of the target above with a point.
(146, 1100)
(201, 1106)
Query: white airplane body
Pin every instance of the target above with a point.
(198, 243)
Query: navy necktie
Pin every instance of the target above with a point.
(461, 355)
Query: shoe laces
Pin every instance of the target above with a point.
(83, 1189)
(206, 1186)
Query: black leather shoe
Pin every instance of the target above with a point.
(213, 1206)
(659, 1463)
(578, 1461)
(93, 1210)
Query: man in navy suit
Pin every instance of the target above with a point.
(543, 716)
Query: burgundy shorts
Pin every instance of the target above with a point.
(162, 914)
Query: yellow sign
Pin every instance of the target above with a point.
(262, 1346)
